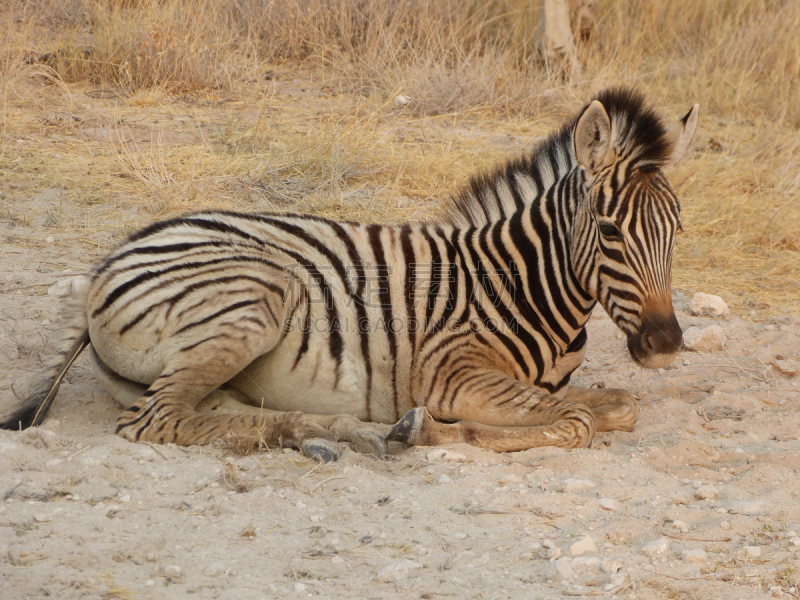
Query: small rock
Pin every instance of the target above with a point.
(149, 583)
(584, 546)
(561, 570)
(53, 463)
(694, 556)
(49, 239)
(703, 340)
(69, 285)
(708, 305)
(620, 535)
(444, 478)
(656, 547)
(442, 454)
(215, 569)
(680, 526)
(787, 368)
(747, 507)
(125, 499)
(591, 562)
(400, 100)
(610, 504)
(573, 484)
(554, 553)
(795, 541)
(172, 572)
(725, 525)
(706, 492)
(299, 587)
(752, 551)
(397, 571)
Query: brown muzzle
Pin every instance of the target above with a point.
(660, 339)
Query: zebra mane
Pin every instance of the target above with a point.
(638, 132)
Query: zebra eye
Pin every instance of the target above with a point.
(609, 231)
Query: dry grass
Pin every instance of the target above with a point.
(170, 105)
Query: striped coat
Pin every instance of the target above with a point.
(463, 329)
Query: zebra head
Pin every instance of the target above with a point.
(626, 222)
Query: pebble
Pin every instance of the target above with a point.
(49, 239)
(397, 571)
(725, 525)
(573, 484)
(561, 570)
(656, 547)
(554, 553)
(610, 504)
(795, 541)
(442, 454)
(125, 499)
(215, 569)
(54, 462)
(706, 492)
(299, 587)
(705, 339)
(747, 507)
(694, 556)
(149, 583)
(592, 562)
(444, 478)
(172, 571)
(680, 526)
(584, 546)
(69, 285)
(708, 305)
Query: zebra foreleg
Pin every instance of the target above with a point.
(494, 411)
(418, 428)
(613, 409)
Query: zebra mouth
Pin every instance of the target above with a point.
(648, 360)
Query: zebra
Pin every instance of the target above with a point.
(303, 331)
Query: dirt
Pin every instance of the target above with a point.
(701, 500)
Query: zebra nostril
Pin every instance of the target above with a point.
(647, 342)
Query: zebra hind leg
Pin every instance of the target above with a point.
(166, 413)
(613, 409)
(366, 438)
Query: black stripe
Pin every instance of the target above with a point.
(435, 278)
(374, 234)
(173, 300)
(410, 282)
(180, 248)
(219, 313)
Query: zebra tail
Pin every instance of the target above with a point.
(70, 340)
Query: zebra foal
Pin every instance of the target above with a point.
(462, 329)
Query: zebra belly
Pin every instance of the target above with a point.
(271, 382)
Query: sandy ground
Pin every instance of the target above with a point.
(701, 500)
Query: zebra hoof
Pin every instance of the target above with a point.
(321, 450)
(368, 442)
(409, 428)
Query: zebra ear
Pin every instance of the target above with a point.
(592, 138)
(683, 134)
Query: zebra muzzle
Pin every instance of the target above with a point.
(658, 342)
